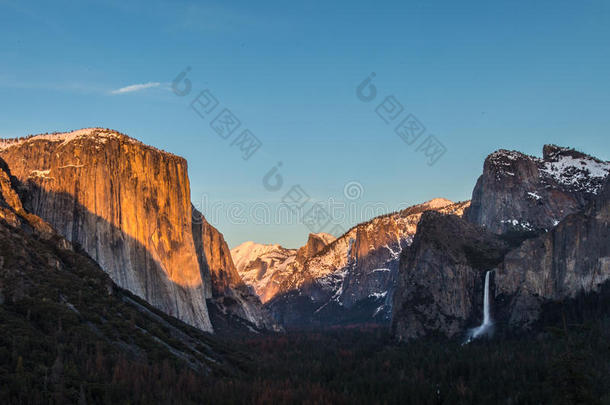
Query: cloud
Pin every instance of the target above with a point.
(135, 87)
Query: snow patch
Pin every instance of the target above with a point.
(380, 270)
(585, 174)
(518, 224)
(378, 310)
(533, 195)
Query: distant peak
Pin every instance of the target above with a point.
(438, 202)
(326, 237)
(251, 244)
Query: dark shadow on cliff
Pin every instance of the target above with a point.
(153, 283)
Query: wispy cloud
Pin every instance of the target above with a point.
(136, 87)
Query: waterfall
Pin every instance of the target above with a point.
(486, 319)
(485, 327)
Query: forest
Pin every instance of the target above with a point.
(565, 361)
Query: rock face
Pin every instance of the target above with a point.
(316, 242)
(352, 279)
(229, 294)
(439, 288)
(50, 291)
(545, 237)
(128, 205)
(264, 267)
(214, 256)
(518, 192)
(11, 208)
(573, 257)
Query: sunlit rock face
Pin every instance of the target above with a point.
(12, 211)
(518, 192)
(10, 205)
(127, 205)
(264, 267)
(352, 279)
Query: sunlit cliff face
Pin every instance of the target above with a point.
(127, 204)
(273, 270)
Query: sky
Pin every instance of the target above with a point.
(476, 77)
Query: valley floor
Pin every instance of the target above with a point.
(364, 366)
(568, 364)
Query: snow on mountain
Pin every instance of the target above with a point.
(100, 135)
(519, 192)
(263, 266)
(267, 268)
(63, 137)
(575, 170)
(356, 269)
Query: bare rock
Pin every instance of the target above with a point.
(126, 204)
(441, 276)
(518, 192)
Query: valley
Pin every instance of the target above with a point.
(112, 280)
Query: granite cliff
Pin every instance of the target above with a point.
(128, 206)
(573, 257)
(540, 226)
(518, 192)
(440, 279)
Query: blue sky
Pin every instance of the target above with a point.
(478, 76)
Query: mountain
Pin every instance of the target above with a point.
(128, 206)
(69, 334)
(536, 252)
(265, 267)
(352, 279)
(520, 192)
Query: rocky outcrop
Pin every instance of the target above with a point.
(127, 205)
(441, 274)
(229, 294)
(316, 242)
(352, 279)
(517, 192)
(572, 258)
